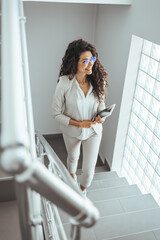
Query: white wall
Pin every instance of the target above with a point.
(115, 26)
(50, 28)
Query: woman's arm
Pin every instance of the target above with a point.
(82, 124)
(58, 102)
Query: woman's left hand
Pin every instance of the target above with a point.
(99, 120)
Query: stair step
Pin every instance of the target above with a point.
(118, 206)
(102, 175)
(127, 224)
(7, 192)
(9, 221)
(113, 193)
(98, 184)
(151, 235)
(124, 205)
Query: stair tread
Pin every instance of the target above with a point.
(102, 175)
(112, 193)
(97, 184)
(9, 221)
(118, 206)
(127, 224)
(140, 236)
(123, 205)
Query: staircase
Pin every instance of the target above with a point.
(125, 213)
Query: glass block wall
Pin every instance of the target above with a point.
(141, 157)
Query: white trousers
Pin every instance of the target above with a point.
(90, 148)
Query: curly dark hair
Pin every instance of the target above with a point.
(98, 78)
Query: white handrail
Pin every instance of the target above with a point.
(13, 129)
(17, 138)
(27, 87)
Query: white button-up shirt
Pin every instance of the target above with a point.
(69, 102)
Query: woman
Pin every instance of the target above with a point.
(80, 93)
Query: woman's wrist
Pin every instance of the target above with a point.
(74, 123)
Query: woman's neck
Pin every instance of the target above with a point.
(81, 78)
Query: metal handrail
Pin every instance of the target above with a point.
(53, 158)
(80, 208)
(17, 144)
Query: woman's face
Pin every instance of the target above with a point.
(85, 63)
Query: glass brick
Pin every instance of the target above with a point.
(155, 145)
(143, 114)
(141, 78)
(147, 46)
(151, 121)
(152, 158)
(156, 91)
(129, 143)
(133, 162)
(135, 152)
(133, 120)
(158, 166)
(146, 99)
(154, 107)
(141, 160)
(158, 73)
(152, 68)
(144, 148)
(149, 84)
(149, 171)
(139, 172)
(140, 127)
(144, 63)
(139, 93)
(155, 51)
(157, 129)
(148, 134)
(131, 131)
(156, 181)
(138, 139)
(136, 106)
(127, 154)
(158, 115)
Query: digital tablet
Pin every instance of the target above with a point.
(105, 112)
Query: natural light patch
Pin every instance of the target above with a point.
(141, 157)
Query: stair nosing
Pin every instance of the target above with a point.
(130, 212)
(124, 197)
(95, 190)
(155, 229)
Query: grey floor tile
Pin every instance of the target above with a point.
(112, 193)
(157, 234)
(86, 233)
(140, 236)
(108, 183)
(109, 207)
(138, 202)
(127, 224)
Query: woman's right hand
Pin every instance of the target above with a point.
(86, 124)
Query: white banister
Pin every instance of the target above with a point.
(13, 133)
(18, 150)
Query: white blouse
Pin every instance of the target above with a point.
(69, 102)
(85, 107)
